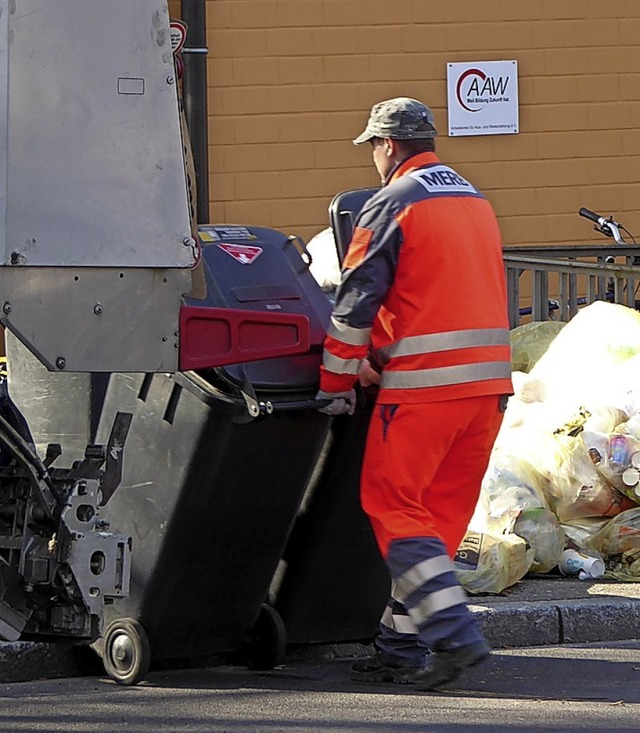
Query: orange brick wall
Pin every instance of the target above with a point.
(291, 83)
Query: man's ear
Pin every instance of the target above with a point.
(390, 147)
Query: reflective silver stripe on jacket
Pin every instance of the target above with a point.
(420, 574)
(340, 366)
(434, 342)
(348, 334)
(397, 622)
(445, 376)
(435, 602)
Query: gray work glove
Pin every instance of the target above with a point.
(341, 402)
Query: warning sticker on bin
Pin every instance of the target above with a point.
(220, 234)
(245, 254)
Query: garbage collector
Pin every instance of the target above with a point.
(421, 311)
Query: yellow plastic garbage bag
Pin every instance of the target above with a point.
(578, 532)
(621, 534)
(489, 563)
(619, 542)
(514, 506)
(530, 341)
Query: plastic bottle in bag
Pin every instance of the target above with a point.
(619, 452)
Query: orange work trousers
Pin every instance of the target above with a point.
(423, 467)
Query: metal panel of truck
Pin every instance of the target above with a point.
(96, 232)
(95, 166)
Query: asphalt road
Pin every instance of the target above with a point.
(585, 688)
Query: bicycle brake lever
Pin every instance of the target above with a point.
(611, 228)
(604, 228)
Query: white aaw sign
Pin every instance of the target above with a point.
(483, 98)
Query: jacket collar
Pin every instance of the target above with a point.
(411, 164)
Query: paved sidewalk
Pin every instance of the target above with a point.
(537, 611)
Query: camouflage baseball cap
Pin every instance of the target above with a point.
(401, 118)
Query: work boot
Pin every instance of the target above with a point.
(445, 665)
(373, 669)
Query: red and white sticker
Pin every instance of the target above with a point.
(246, 254)
(178, 33)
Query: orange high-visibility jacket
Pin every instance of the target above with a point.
(423, 290)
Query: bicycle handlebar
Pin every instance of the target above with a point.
(588, 214)
(608, 227)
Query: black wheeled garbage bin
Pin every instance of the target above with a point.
(209, 499)
(216, 466)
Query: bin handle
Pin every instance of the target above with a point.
(311, 404)
(191, 380)
(304, 253)
(266, 407)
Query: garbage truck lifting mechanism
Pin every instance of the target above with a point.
(101, 271)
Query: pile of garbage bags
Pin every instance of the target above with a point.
(564, 475)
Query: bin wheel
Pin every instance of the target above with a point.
(267, 645)
(127, 653)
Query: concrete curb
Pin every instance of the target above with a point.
(510, 625)
(545, 623)
(505, 624)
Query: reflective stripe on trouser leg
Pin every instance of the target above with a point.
(424, 582)
(398, 641)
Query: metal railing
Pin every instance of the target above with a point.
(561, 281)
